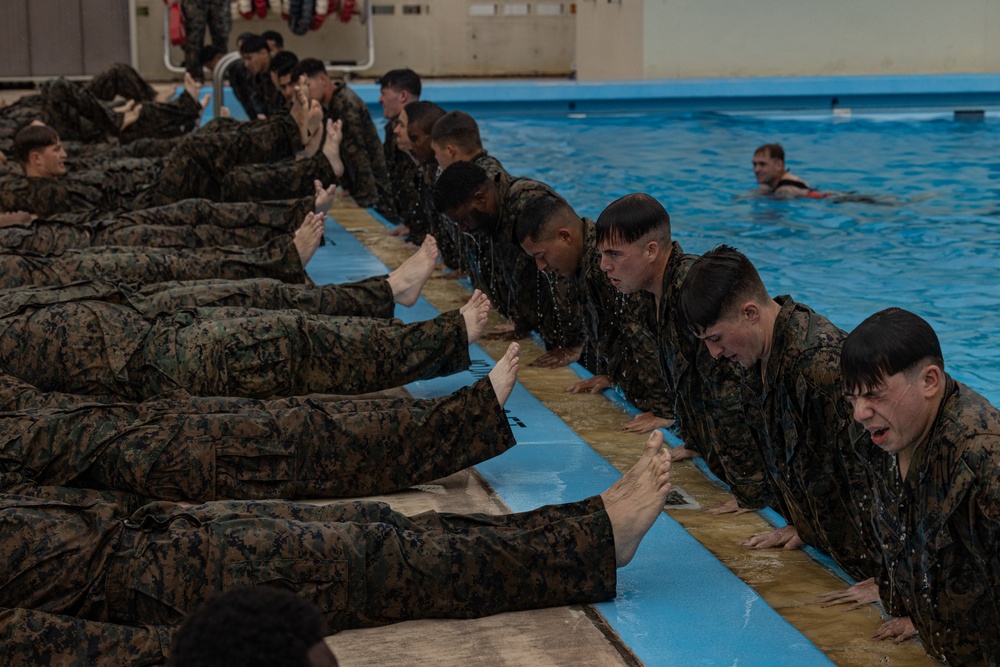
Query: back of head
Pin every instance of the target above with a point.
(253, 44)
(538, 221)
(308, 67)
(243, 36)
(250, 627)
(33, 137)
(421, 116)
(775, 151)
(716, 285)
(890, 341)
(283, 63)
(633, 218)
(456, 185)
(458, 129)
(400, 80)
(274, 36)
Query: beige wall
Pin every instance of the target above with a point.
(724, 38)
(436, 38)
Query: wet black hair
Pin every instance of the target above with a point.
(250, 627)
(717, 283)
(456, 185)
(422, 115)
(400, 80)
(890, 341)
(253, 44)
(283, 63)
(631, 218)
(207, 53)
(532, 225)
(274, 36)
(308, 67)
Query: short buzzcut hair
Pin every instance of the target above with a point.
(253, 44)
(456, 185)
(400, 80)
(308, 67)
(715, 285)
(250, 627)
(33, 137)
(283, 63)
(459, 129)
(422, 115)
(776, 151)
(890, 341)
(631, 219)
(533, 224)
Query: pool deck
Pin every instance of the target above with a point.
(680, 602)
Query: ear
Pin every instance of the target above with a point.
(480, 196)
(931, 380)
(652, 249)
(751, 311)
(563, 234)
(404, 97)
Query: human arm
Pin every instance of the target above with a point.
(898, 629)
(645, 422)
(558, 357)
(786, 537)
(858, 595)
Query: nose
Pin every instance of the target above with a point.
(605, 265)
(714, 349)
(862, 409)
(540, 263)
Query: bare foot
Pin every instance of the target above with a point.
(205, 99)
(331, 147)
(312, 132)
(192, 87)
(504, 374)
(224, 112)
(407, 280)
(634, 501)
(324, 196)
(308, 235)
(475, 312)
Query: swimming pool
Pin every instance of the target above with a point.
(935, 253)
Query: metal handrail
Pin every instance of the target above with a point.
(219, 80)
(166, 44)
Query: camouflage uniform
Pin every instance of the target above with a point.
(807, 440)
(710, 405)
(120, 80)
(258, 94)
(517, 289)
(366, 176)
(190, 223)
(217, 16)
(107, 348)
(940, 530)
(282, 180)
(85, 554)
(183, 448)
(627, 352)
(404, 181)
(277, 259)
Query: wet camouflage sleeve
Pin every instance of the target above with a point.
(366, 176)
(278, 259)
(184, 448)
(940, 529)
(711, 408)
(216, 15)
(230, 352)
(806, 441)
(29, 638)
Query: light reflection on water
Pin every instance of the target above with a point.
(936, 256)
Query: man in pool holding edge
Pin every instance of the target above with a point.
(937, 496)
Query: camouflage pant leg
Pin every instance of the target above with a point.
(288, 179)
(240, 352)
(164, 120)
(190, 236)
(45, 237)
(285, 215)
(31, 637)
(371, 297)
(215, 15)
(271, 139)
(360, 563)
(120, 80)
(278, 259)
(309, 449)
(76, 113)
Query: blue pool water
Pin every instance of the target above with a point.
(935, 254)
